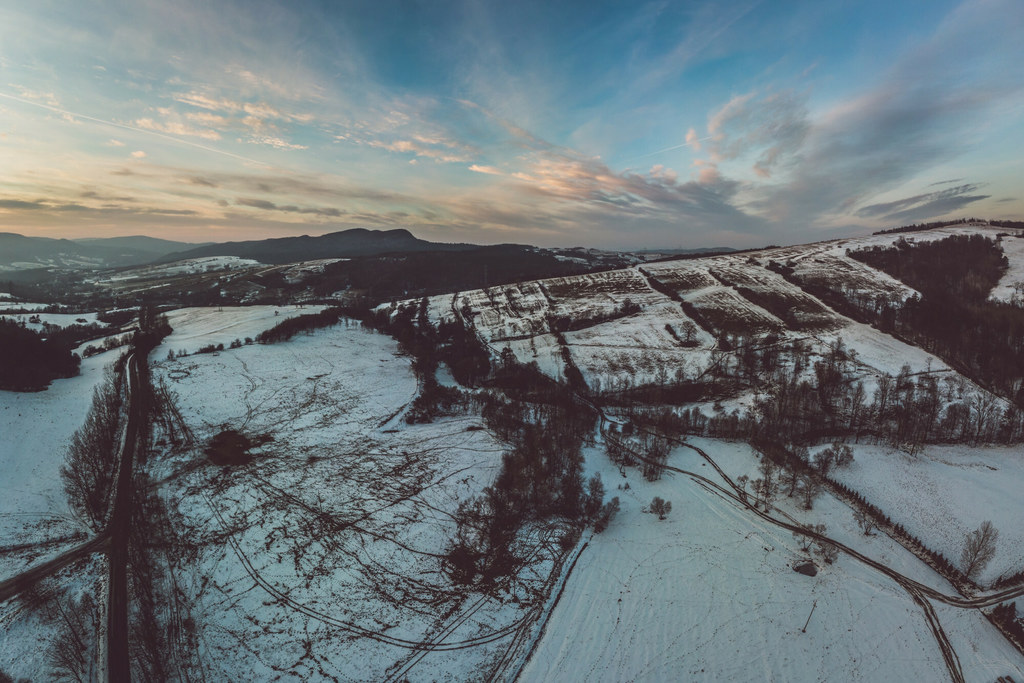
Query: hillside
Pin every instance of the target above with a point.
(18, 252)
(344, 244)
(474, 484)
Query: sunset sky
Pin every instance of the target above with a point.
(608, 124)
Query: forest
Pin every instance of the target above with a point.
(29, 361)
(953, 317)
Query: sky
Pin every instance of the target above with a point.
(605, 124)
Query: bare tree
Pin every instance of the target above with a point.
(827, 551)
(741, 482)
(865, 521)
(979, 549)
(661, 507)
(803, 539)
(809, 490)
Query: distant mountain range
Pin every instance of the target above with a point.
(18, 252)
(21, 253)
(346, 244)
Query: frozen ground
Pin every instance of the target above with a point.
(709, 594)
(31, 625)
(945, 492)
(321, 558)
(198, 327)
(1013, 247)
(36, 428)
(58, 319)
(188, 266)
(13, 306)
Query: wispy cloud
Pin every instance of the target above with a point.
(924, 206)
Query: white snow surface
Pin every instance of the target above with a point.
(709, 594)
(332, 533)
(944, 493)
(35, 430)
(58, 319)
(1013, 247)
(185, 267)
(202, 326)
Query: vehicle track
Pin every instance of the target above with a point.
(919, 592)
(352, 627)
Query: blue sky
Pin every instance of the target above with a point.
(610, 124)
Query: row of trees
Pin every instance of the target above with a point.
(803, 398)
(91, 461)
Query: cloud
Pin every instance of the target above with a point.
(200, 181)
(925, 111)
(115, 143)
(441, 150)
(206, 118)
(489, 170)
(923, 206)
(22, 205)
(108, 209)
(266, 205)
(772, 127)
(275, 142)
(258, 110)
(138, 154)
(47, 98)
(176, 128)
(693, 140)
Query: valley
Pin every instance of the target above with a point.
(464, 485)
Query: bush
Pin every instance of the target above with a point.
(606, 514)
(661, 507)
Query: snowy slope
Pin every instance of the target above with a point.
(198, 327)
(36, 429)
(332, 534)
(1013, 247)
(946, 492)
(709, 594)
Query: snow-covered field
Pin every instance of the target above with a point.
(36, 429)
(188, 266)
(16, 307)
(58, 319)
(945, 492)
(32, 634)
(198, 327)
(639, 347)
(709, 594)
(321, 557)
(1013, 247)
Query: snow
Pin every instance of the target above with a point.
(36, 429)
(338, 521)
(30, 632)
(1013, 247)
(58, 319)
(710, 594)
(185, 267)
(22, 306)
(945, 492)
(198, 327)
